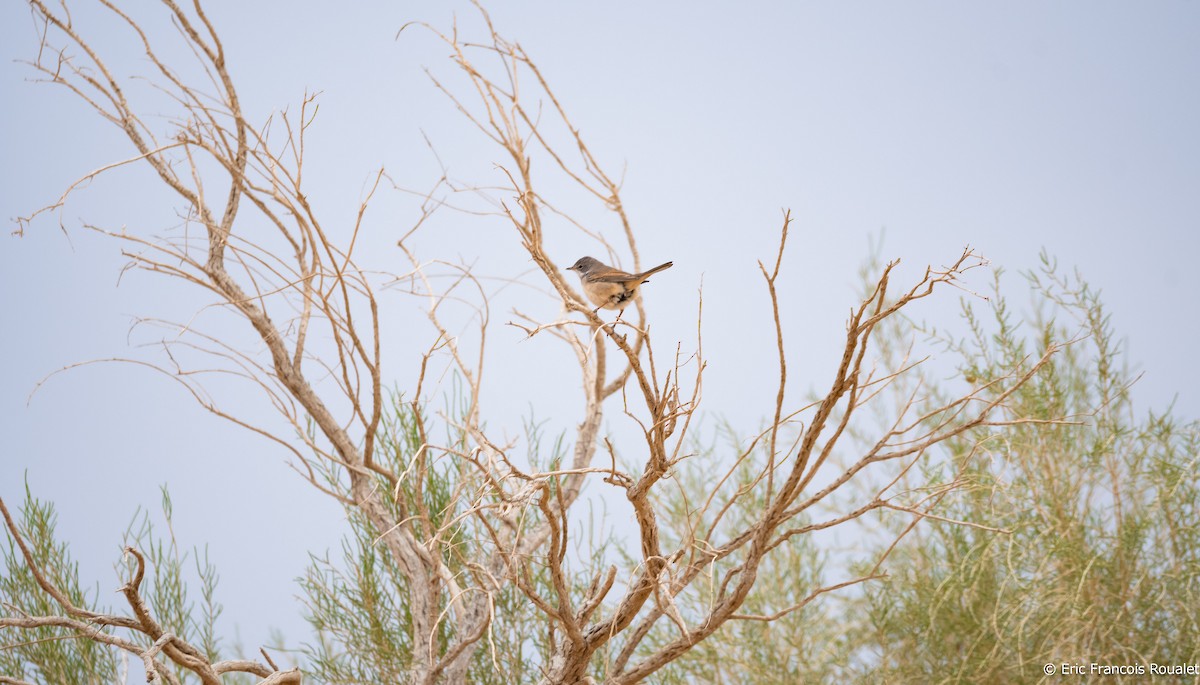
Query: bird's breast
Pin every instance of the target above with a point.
(607, 295)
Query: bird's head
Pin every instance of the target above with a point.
(584, 266)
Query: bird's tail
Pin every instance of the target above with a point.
(660, 267)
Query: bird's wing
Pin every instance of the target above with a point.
(614, 276)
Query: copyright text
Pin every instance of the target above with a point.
(1069, 668)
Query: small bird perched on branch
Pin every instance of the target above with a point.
(610, 288)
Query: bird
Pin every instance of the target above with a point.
(610, 288)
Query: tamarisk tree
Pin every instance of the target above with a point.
(469, 534)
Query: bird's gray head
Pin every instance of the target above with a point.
(585, 265)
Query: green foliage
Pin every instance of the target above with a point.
(50, 655)
(62, 655)
(167, 590)
(358, 604)
(360, 618)
(1098, 558)
(1100, 563)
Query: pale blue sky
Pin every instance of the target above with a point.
(1010, 126)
